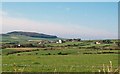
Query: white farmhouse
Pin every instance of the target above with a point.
(19, 45)
(60, 41)
(97, 43)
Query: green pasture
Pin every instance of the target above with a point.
(66, 57)
(51, 60)
(59, 63)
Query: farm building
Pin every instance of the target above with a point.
(97, 42)
(18, 45)
(43, 42)
(60, 41)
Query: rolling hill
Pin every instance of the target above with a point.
(24, 36)
(31, 34)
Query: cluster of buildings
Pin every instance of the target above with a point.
(60, 41)
(66, 40)
(56, 41)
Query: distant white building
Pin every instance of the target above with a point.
(97, 43)
(59, 41)
(40, 43)
(19, 45)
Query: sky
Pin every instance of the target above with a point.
(85, 20)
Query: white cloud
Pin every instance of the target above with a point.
(25, 24)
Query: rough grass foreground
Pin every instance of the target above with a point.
(59, 63)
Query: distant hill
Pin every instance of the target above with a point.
(22, 37)
(4, 35)
(31, 34)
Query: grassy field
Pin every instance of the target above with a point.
(83, 56)
(51, 60)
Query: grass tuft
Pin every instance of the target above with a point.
(109, 69)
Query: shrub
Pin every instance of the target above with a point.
(49, 54)
(36, 63)
(64, 54)
(59, 53)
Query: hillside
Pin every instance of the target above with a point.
(25, 36)
(31, 34)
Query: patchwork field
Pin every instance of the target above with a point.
(69, 56)
(64, 60)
